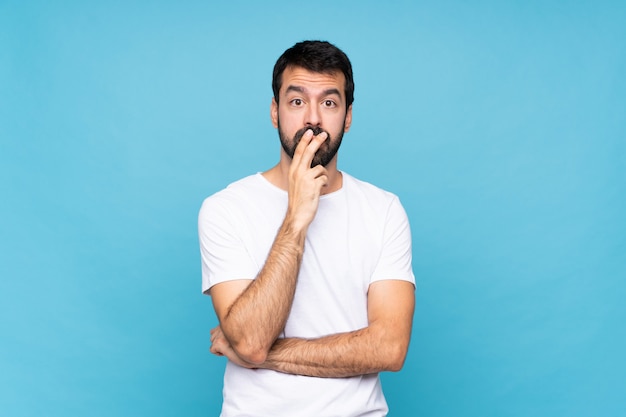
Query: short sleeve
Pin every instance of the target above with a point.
(223, 253)
(395, 260)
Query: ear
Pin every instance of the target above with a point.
(274, 113)
(348, 119)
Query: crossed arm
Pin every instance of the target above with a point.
(381, 346)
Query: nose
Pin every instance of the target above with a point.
(313, 116)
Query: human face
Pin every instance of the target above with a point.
(311, 100)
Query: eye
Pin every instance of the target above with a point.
(329, 103)
(296, 102)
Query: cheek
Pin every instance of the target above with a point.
(289, 122)
(338, 124)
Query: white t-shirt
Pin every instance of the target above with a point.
(360, 234)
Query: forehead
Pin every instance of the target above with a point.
(301, 77)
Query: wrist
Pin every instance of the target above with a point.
(295, 226)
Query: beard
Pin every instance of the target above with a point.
(324, 154)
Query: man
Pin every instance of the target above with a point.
(308, 268)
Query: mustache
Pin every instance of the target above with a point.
(316, 131)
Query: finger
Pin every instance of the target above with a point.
(318, 170)
(312, 147)
(304, 142)
(321, 181)
(319, 173)
(216, 352)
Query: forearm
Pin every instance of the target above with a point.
(253, 313)
(365, 351)
(258, 315)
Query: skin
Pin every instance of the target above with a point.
(252, 313)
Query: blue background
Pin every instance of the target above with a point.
(501, 126)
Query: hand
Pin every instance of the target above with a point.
(220, 346)
(306, 183)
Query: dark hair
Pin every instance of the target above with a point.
(315, 56)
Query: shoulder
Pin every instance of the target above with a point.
(240, 187)
(374, 202)
(361, 189)
(234, 193)
(226, 202)
(253, 198)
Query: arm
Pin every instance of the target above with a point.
(253, 313)
(381, 346)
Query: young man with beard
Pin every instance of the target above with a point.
(309, 269)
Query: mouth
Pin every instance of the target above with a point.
(316, 131)
(323, 149)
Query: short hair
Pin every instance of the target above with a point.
(315, 56)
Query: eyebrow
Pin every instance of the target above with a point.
(299, 89)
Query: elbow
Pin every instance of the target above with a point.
(396, 365)
(396, 358)
(247, 347)
(250, 353)
(256, 358)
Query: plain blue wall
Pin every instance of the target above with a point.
(501, 126)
